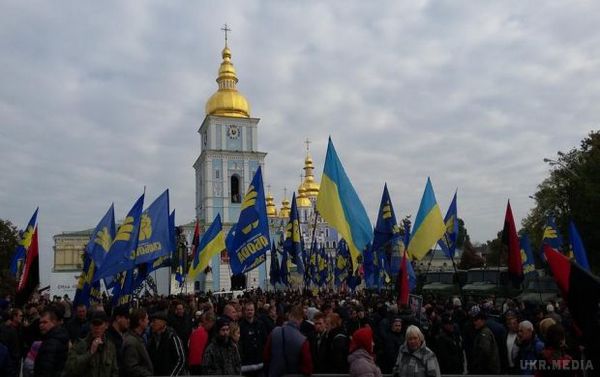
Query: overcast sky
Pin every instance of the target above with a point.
(99, 99)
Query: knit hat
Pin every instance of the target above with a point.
(222, 322)
(362, 338)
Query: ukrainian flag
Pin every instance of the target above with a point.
(429, 226)
(339, 205)
(212, 243)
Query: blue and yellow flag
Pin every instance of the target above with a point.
(386, 228)
(293, 238)
(342, 262)
(211, 244)
(577, 248)
(250, 240)
(18, 259)
(122, 293)
(121, 256)
(323, 266)
(339, 205)
(551, 235)
(155, 231)
(274, 277)
(526, 255)
(284, 272)
(429, 226)
(448, 241)
(88, 291)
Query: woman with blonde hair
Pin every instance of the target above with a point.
(414, 358)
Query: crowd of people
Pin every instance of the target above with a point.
(273, 333)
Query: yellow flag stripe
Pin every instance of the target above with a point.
(214, 247)
(432, 228)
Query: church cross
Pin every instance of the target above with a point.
(225, 28)
(307, 142)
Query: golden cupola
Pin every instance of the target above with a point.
(285, 209)
(227, 101)
(271, 208)
(302, 200)
(311, 187)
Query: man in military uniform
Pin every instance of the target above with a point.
(485, 358)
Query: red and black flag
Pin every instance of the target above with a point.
(402, 284)
(511, 240)
(581, 290)
(30, 278)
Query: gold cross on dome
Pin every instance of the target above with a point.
(226, 29)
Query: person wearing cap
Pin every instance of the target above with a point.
(221, 356)
(165, 347)
(116, 331)
(136, 361)
(93, 356)
(484, 357)
(361, 357)
(449, 347)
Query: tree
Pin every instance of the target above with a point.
(463, 235)
(571, 192)
(469, 258)
(9, 240)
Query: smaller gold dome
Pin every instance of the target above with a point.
(311, 187)
(302, 200)
(227, 101)
(271, 207)
(285, 209)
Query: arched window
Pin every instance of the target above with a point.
(234, 189)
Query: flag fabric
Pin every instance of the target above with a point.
(211, 244)
(339, 205)
(386, 228)
(323, 266)
(274, 267)
(154, 231)
(576, 246)
(429, 226)
(284, 273)
(581, 290)
(448, 241)
(30, 278)
(293, 237)
(122, 293)
(551, 235)
(18, 260)
(526, 255)
(121, 256)
(88, 291)
(342, 262)
(510, 239)
(402, 284)
(370, 267)
(250, 239)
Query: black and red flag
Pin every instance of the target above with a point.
(511, 240)
(581, 290)
(402, 284)
(30, 278)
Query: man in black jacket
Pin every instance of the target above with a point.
(165, 348)
(253, 336)
(449, 347)
(11, 335)
(51, 357)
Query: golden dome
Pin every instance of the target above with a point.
(271, 208)
(302, 200)
(227, 101)
(311, 187)
(285, 209)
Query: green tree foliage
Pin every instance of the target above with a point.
(8, 243)
(571, 191)
(463, 235)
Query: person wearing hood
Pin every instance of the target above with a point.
(414, 358)
(361, 358)
(221, 356)
(52, 355)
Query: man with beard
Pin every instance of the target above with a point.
(51, 357)
(165, 348)
(93, 356)
(221, 357)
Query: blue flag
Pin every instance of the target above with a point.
(274, 268)
(293, 237)
(323, 267)
(121, 256)
(342, 262)
(370, 267)
(551, 235)
(577, 247)
(284, 274)
(155, 232)
(386, 228)
(250, 240)
(526, 255)
(18, 259)
(88, 291)
(448, 240)
(412, 277)
(123, 289)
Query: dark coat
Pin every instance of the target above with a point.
(319, 349)
(391, 345)
(253, 336)
(221, 358)
(12, 338)
(339, 344)
(136, 361)
(485, 358)
(167, 353)
(52, 355)
(450, 352)
(80, 362)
